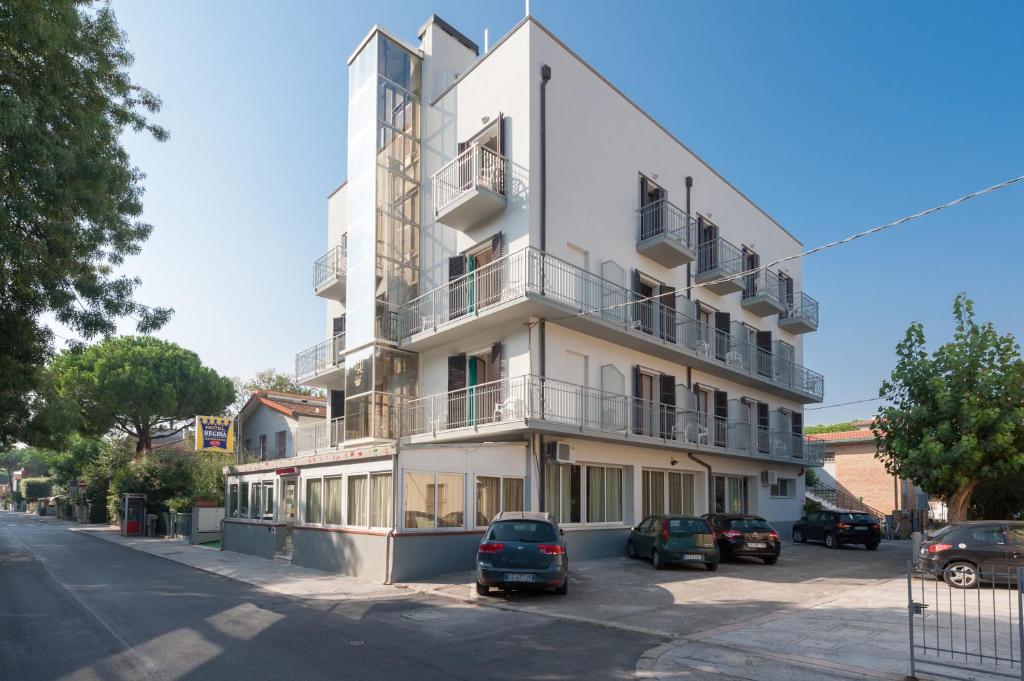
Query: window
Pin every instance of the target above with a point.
(494, 495)
(268, 500)
(523, 531)
(282, 444)
(562, 491)
(332, 501)
(357, 485)
(381, 500)
(313, 514)
(434, 500)
(243, 500)
(667, 492)
(604, 494)
(730, 494)
(992, 534)
(263, 446)
(785, 487)
(233, 500)
(828, 457)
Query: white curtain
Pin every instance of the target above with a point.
(332, 501)
(512, 494)
(613, 494)
(357, 485)
(488, 490)
(313, 510)
(381, 500)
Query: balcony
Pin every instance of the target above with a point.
(508, 407)
(762, 295)
(323, 365)
(329, 272)
(322, 436)
(665, 234)
(800, 315)
(471, 188)
(530, 282)
(717, 261)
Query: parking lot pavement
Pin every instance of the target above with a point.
(685, 601)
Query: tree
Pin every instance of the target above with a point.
(136, 385)
(69, 197)
(956, 419)
(830, 428)
(12, 459)
(268, 379)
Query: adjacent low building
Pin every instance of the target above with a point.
(272, 424)
(537, 298)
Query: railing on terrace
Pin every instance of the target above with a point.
(320, 357)
(319, 436)
(588, 409)
(764, 282)
(719, 255)
(841, 500)
(802, 307)
(663, 217)
(331, 264)
(532, 271)
(475, 167)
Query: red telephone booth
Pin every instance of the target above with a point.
(133, 515)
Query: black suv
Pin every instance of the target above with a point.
(836, 528)
(965, 554)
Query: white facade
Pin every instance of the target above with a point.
(574, 292)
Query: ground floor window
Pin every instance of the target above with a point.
(357, 499)
(313, 511)
(563, 491)
(381, 503)
(495, 494)
(668, 492)
(785, 488)
(730, 494)
(332, 501)
(267, 500)
(233, 500)
(604, 494)
(243, 500)
(434, 500)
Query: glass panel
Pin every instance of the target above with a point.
(613, 495)
(380, 500)
(654, 492)
(268, 500)
(512, 494)
(233, 501)
(688, 482)
(419, 500)
(675, 493)
(735, 495)
(450, 500)
(313, 510)
(243, 500)
(332, 501)
(720, 506)
(357, 485)
(596, 495)
(488, 499)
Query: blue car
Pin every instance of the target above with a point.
(521, 549)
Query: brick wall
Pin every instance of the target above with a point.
(861, 475)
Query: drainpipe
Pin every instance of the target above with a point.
(390, 539)
(545, 76)
(711, 481)
(689, 186)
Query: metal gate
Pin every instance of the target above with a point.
(972, 633)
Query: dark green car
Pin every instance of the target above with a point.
(669, 539)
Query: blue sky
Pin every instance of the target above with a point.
(833, 117)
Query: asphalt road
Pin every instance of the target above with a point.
(76, 607)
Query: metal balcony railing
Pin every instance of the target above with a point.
(531, 271)
(319, 436)
(331, 265)
(802, 306)
(535, 398)
(764, 283)
(476, 167)
(720, 257)
(663, 217)
(320, 357)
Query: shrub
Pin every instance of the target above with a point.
(811, 477)
(36, 488)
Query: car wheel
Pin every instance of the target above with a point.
(564, 589)
(631, 550)
(961, 575)
(656, 560)
(873, 546)
(711, 566)
(831, 541)
(482, 589)
(798, 537)
(771, 560)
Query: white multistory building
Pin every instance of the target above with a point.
(537, 298)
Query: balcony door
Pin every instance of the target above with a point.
(786, 290)
(707, 254)
(645, 393)
(751, 261)
(652, 208)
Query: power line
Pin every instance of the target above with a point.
(832, 244)
(843, 404)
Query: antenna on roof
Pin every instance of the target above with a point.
(527, 2)
(486, 41)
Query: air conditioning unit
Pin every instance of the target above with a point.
(561, 452)
(769, 478)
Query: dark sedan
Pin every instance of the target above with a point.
(836, 528)
(522, 550)
(745, 535)
(964, 554)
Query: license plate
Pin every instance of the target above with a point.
(519, 577)
(860, 527)
(756, 545)
(693, 556)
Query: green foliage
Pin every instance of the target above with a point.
(830, 428)
(267, 379)
(69, 465)
(810, 506)
(138, 384)
(957, 415)
(811, 478)
(36, 488)
(171, 480)
(71, 198)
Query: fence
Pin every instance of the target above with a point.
(966, 633)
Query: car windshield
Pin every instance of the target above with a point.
(530, 531)
(688, 526)
(856, 518)
(750, 525)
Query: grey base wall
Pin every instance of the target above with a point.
(256, 539)
(429, 555)
(588, 544)
(784, 528)
(357, 555)
(204, 537)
